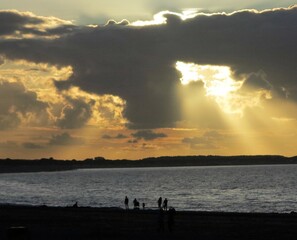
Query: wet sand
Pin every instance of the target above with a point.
(43, 223)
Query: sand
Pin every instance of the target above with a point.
(42, 223)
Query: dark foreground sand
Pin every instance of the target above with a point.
(44, 223)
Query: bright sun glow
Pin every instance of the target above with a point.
(218, 84)
(217, 79)
(160, 17)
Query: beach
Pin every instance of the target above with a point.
(44, 223)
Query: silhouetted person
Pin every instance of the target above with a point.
(159, 202)
(143, 206)
(171, 222)
(75, 205)
(135, 203)
(161, 220)
(165, 204)
(126, 202)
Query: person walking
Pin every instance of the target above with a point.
(159, 202)
(165, 204)
(136, 204)
(126, 202)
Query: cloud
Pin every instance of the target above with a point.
(256, 81)
(118, 136)
(31, 145)
(75, 114)
(121, 136)
(15, 24)
(138, 63)
(148, 135)
(205, 5)
(19, 105)
(65, 139)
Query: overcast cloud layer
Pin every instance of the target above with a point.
(138, 63)
(68, 90)
(99, 11)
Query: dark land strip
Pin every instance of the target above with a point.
(55, 223)
(50, 164)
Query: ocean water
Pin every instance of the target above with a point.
(219, 188)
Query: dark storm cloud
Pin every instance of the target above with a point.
(148, 135)
(12, 21)
(137, 63)
(65, 139)
(16, 102)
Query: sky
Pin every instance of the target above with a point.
(80, 79)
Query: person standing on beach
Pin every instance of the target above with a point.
(165, 204)
(75, 205)
(159, 202)
(136, 204)
(127, 202)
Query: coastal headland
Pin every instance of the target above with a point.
(85, 223)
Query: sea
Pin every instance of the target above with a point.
(267, 188)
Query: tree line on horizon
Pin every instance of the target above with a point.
(51, 164)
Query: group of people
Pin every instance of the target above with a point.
(165, 203)
(161, 204)
(136, 203)
(163, 207)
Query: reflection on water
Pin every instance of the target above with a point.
(228, 188)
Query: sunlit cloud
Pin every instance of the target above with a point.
(89, 109)
(160, 18)
(220, 85)
(26, 25)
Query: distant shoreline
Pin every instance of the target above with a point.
(50, 164)
(146, 210)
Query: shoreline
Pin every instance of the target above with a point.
(50, 164)
(88, 223)
(14, 171)
(147, 209)
(150, 209)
